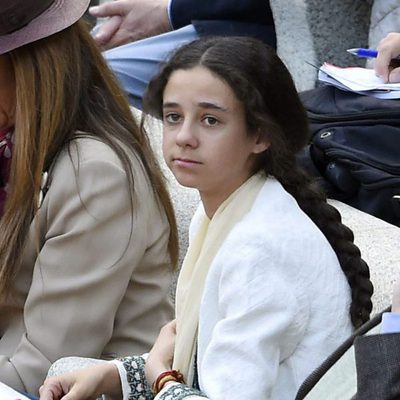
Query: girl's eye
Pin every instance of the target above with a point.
(210, 121)
(172, 118)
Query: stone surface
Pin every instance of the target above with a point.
(379, 245)
(310, 32)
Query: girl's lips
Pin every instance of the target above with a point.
(185, 162)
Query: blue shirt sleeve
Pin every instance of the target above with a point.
(390, 322)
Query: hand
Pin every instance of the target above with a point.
(130, 20)
(388, 49)
(161, 355)
(84, 384)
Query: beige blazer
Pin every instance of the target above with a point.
(96, 281)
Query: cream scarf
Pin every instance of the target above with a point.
(201, 252)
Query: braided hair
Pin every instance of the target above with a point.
(264, 86)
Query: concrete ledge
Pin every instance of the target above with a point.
(379, 245)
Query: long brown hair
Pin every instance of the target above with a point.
(264, 86)
(63, 86)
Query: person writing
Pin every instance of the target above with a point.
(269, 261)
(140, 34)
(87, 231)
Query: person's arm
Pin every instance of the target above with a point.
(90, 382)
(388, 49)
(260, 326)
(81, 273)
(130, 20)
(260, 323)
(183, 12)
(137, 374)
(255, 331)
(135, 384)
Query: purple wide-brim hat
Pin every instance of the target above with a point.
(26, 21)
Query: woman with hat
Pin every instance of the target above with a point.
(87, 232)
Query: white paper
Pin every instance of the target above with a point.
(359, 80)
(7, 393)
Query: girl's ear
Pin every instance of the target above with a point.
(261, 144)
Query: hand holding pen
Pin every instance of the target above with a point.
(387, 64)
(388, 53)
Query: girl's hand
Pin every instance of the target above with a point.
(161, 355)
(84, 384)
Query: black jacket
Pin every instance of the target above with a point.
(226, 17)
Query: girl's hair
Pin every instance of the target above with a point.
(64, 89)
(264, 86)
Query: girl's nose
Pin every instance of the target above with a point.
(186, 135)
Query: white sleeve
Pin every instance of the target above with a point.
(259, 325)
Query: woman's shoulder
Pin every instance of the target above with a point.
(87, 149)
(87, 163)
(89, 177)
(85, 154)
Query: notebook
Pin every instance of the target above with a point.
(7, 393)
(359, 80)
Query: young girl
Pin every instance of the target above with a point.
(272, 282)
(85, 240)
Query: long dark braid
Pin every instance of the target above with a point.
(264, 86)
(328, 219)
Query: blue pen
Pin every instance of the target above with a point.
(367, 53)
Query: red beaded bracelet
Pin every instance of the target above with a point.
(166, 376)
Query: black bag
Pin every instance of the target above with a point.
(355, 149)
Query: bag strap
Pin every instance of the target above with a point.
(320, 371)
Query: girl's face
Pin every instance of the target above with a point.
(206, 141)
(7, 93)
